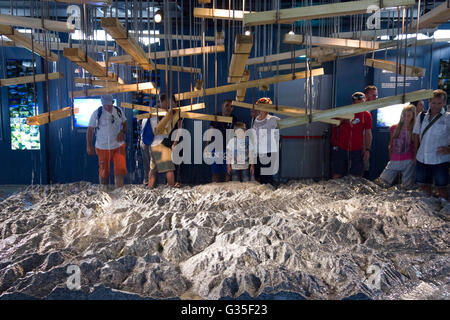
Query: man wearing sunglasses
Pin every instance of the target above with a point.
(110, 125)
(351, 142)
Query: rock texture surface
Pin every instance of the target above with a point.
(326, 240)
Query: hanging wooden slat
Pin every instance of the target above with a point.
(139, 107)
(220, 37)
(286, 111)
(78, 56)
(34, 23)
(54, 115)
(127, 59)
(53, 45)
(92, 2)
(242, 48)
(248, 84)
(288, 66)
(224, 14)
(433, 18)
(119, 33)
(329, 42)
(411, 71)
(373, 34)
(240, 93)
(178, 68)
(189, 115)
(26, 41)
(30, 79)
(146, 87)
(356, 108)
(288, 55)
(288, 16)
(95, 82)
(188, 52)
(167, 123)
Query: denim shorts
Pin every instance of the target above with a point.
(425, 173)
(240, 175)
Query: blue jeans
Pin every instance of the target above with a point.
(426, 172)
(345, 162)
(240, 175)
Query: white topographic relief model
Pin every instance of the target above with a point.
(318, 240)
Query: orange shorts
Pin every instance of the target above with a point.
(117, 156)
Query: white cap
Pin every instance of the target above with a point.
(107, 100)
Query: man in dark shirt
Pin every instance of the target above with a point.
(219, 167)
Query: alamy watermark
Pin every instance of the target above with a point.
(249, 147)
(74, 280)
(373, 281)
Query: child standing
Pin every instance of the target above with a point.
(401, 150)
(240, 155)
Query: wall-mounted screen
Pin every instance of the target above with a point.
(85, 109)
(21, 101)
(390, 115)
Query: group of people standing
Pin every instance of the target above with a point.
(247, 154)
(419, 146)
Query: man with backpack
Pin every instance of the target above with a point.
(432, 143)
(110, 124)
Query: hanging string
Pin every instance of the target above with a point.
(417, 32)
(406, 54)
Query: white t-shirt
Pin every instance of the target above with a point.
(160, 137)
(109, 126)
(267, 134)
(438, 135)
(237, 155)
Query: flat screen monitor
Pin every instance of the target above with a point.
(86, 106)
(390, 115)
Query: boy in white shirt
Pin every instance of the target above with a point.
(240, 155)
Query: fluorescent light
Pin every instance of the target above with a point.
(419, 36)
(441, 34)
(101, 35)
